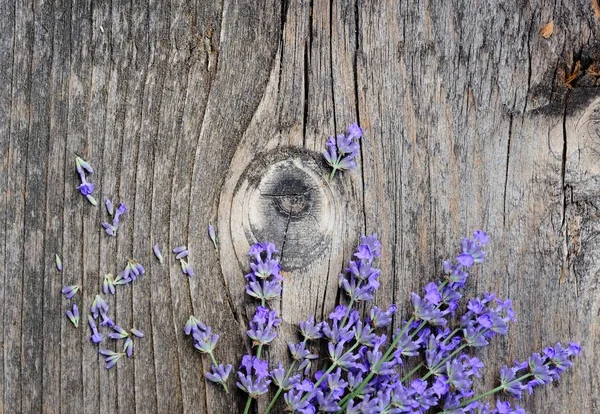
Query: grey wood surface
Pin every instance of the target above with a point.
(201, 111)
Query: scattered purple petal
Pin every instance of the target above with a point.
(59, 264)
(157, 253)
(182, 254)
(212, 235)
(137, 333)
(70, 291)
(179, 249)
(73, 315)
(110, 208)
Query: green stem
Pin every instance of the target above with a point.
(287, 374)
(347, 312)
(495, 390)
(249, 401)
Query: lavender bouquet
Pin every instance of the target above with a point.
(367, 372)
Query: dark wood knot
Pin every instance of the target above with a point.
(283, 197)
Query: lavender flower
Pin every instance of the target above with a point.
(212, 235)
(70, 291)
(73, 315)
(361, 280)
(261, 326)
(340, 152)
(119, 333)
(128, 347)
(264, 280)
(85, 188)
(111, 229)
(108, 286)
(106, 321)
(253, 376)
(219, 374)
(111, 357)
(157, 253)
(59, 264)
(110, 208)
(132, 270)
(205, 341)
(96, 336)
(99, 307)
(186, 268)
(137, 332)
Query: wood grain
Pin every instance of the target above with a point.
(216, 112)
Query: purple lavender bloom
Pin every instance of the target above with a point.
(73, 315)
(137, 332)
(108, 285)
(128, 347)
(510, 383)
(302, 355)
(86, 188)
(110, 209)
(99, 306)
(504, 407)
(426, 311)
(279, 378)
(212, 235)
(341, 151)
(59, 265)
(179, 249)
(96, 336)
(119, 333)
(295, 402)
(253, 376)
(262, 326)
(111, 357)
(471, 250)
(381, 319)
(111, 229)
(182, 254)
(106, 321)
(342, 359)
(157, 253)
(70, 291)
(310, 330)
(83, 167)
(205, 341)
(186, 268)
(219, 374)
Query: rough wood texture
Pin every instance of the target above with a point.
(198, 112)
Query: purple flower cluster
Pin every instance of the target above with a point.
(341, 151)
(205, 341)
(111, 228)
(85, 188)
(131, 272)
(264, 280)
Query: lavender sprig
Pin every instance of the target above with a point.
(341, 151)
(205, 342)
(264, 283)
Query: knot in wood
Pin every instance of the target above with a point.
(283, 197)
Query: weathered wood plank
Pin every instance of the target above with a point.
(216, 112)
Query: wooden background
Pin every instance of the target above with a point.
(217, 111)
